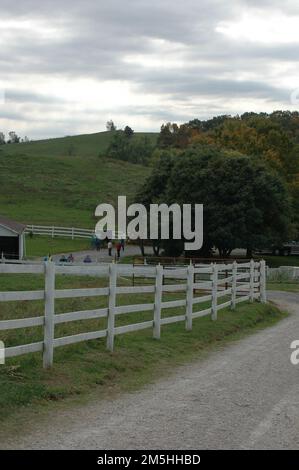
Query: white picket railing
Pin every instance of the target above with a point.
(53, 231)
(238, 282)
(69, 232)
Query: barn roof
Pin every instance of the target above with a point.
(12, 225)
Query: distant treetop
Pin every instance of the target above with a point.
(110, 126)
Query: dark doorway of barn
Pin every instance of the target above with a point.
(9, 246)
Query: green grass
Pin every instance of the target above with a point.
(84, 368)
(277, 261)
(283, 286)
(42, 245)
(84, 145)
(40, 183)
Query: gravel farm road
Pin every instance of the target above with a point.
(243, 396)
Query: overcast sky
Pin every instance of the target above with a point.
(68, 66)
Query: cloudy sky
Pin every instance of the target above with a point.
(68, 66)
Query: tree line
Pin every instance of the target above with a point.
(124, 145)
(245, 171)
(13, 138)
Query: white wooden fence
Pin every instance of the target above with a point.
(236, 282)
(68, 232)
(283, 274)
(53, 231)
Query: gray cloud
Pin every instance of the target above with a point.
(21, 97)
(74, 40)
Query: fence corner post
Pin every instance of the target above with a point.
(189, 297)
(234, 285)
(263, 295)
(214, 291)
(111, 306)
(48, 351)
(251, 282)
(158, 302)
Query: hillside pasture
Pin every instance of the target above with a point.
(84, 145)
(63, 190)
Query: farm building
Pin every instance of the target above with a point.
(12, 239)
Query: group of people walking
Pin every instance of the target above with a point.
(120, 246)
(97, 243)
(67, 259)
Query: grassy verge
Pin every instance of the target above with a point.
(277, 261)
(283, 286)
(63, 191)
(87, 367)
(41, 245)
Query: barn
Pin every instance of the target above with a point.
(12, 239)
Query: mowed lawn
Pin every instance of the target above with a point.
(277, 261)
(40, 183)
(40, 245)
(284, 286)
(82, 368)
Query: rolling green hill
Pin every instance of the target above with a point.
(40, 182)
(85, 145)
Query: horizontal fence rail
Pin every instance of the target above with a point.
(223, 285)
(53, 231)
(68, 232)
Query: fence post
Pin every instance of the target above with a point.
(158, 301)
(73, 233)
(234, 284)
(214, 291)
(251, 282)
(53, 231)
(263, 295)
(49, 314)
(189, 297)
(111, 307)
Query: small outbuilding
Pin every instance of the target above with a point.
(12, 239)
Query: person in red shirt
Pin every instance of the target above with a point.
(118, 248)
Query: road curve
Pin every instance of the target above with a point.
(244, 396)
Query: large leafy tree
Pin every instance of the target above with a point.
(246, 204)
(271, 138)
(128, 131)
(123, 146)
(172, 135)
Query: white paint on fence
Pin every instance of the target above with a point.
(251, 284)
(49, 314)
(214, 291)
(234, 288)
(53, 231)
(68, 232)
(263, 296)
(234, 284)
(111, 307)
(158, 301)
(190, 289)
(2, 353)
